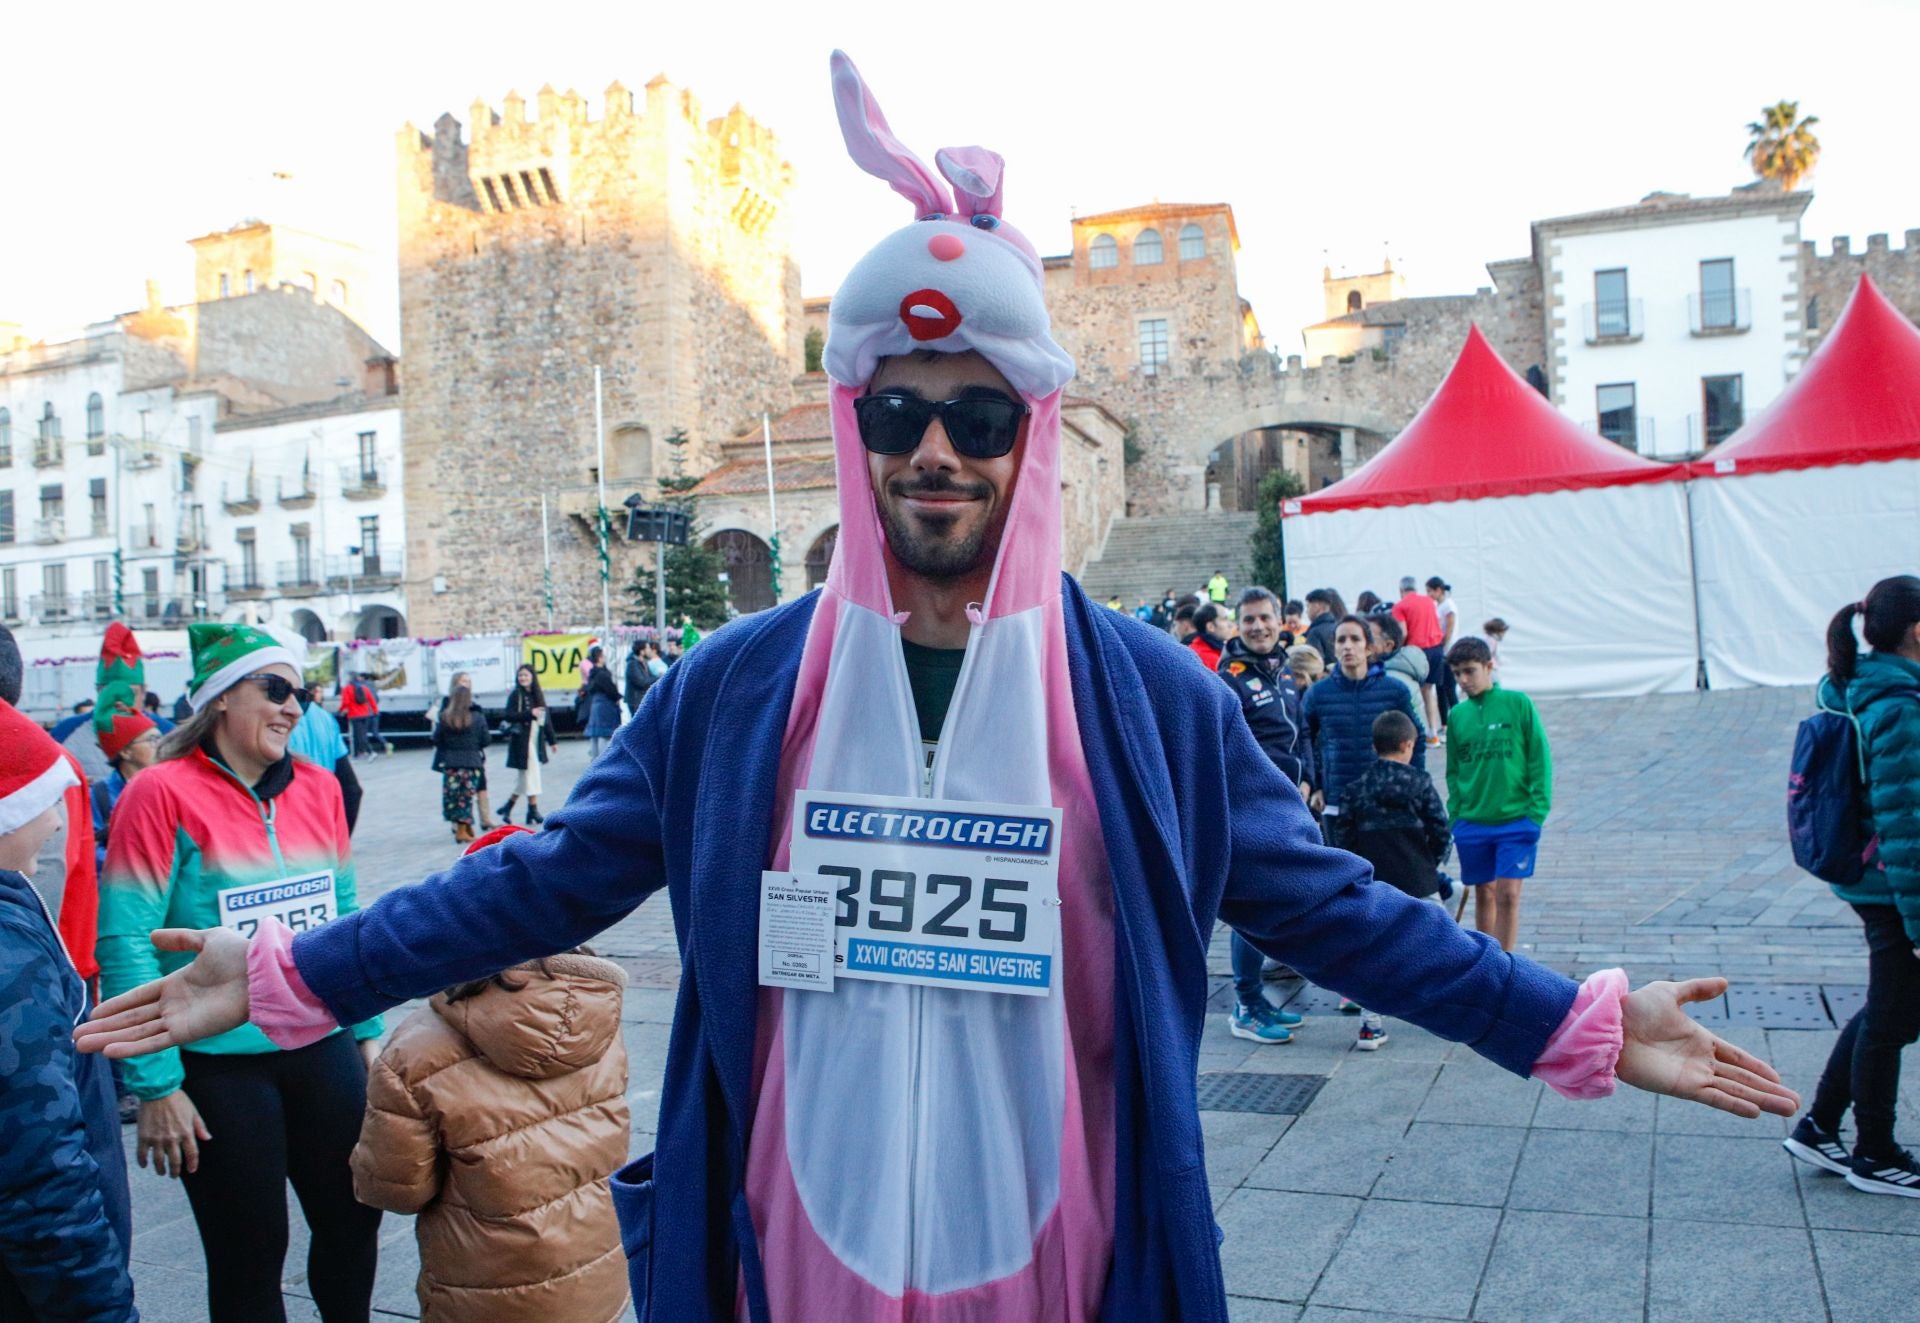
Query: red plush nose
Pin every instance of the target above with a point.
(946, 247)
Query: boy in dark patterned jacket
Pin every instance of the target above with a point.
(1392, 817)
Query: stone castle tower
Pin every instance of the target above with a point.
(651, 242)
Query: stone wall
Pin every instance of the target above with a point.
(1827, 279)
(284, 342)
(652, 242)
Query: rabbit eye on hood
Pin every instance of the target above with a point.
(985, 222)
(934, 215)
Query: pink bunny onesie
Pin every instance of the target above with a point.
(930, 1153)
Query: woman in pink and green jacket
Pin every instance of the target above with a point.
(226, 830)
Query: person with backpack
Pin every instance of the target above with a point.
(1854, 814)
(358, 708)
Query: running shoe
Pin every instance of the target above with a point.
(1372, 1034)
(1258, 1024)
(1898, 1174)
(1818, 1148)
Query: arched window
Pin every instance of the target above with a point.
(1354, 301)
(96, 417)
(1148, 250)
(1193, 243)
(1103, 253)
(246, 280)
(820, 556)
(338, 294)
(749, 565)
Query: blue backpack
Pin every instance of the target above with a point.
(1828, 819)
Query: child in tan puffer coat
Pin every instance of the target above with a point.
(497, 1114)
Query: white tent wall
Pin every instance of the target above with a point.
(1779, 553)
(1596, 584)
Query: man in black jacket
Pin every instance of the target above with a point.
(639, 679)
(1255, 668)
(1324, 609)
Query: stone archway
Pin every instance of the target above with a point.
(308, 625)
(820, 557)
(748, 563)
(379, 622)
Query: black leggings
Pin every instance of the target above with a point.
(275, 1117)
(1864, 1068)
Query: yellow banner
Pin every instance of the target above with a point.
(556, 659)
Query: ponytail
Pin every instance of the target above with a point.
(1843, 650)
(1891, 610)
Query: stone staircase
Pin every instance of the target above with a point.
(1146, 556)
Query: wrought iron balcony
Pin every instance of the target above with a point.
(362, 481)
(1720, 312)
(49, 531)
(1614, 321)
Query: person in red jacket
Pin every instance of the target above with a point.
(1421, 619)
(1209, 634)
(360, 708)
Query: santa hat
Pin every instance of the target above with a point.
(497, 835)
(33, 774)
(224, 655)
(120, 658)
(119, 730)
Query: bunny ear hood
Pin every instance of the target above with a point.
(958, 278)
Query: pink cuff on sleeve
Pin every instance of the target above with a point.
(1584, 1050)
(278, 1000)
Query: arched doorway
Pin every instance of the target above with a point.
(380, 622)
(309, 626)
(749, 568)
(820, 556)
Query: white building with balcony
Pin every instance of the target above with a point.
(1673, 321)
(308, 520)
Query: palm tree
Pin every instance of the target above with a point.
(1781, 146)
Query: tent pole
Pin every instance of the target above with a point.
(1693, 580)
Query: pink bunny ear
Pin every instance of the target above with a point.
(874, 148)
(978, 177)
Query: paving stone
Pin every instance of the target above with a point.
(1310, 1227)
(1870, 1278)
(1708, 1178)
(1247, 1309)
(1327, 1156)
(1566, 1267)
(1235, 1144)
(1675, 1116)
(1714, 1272)
(1480, 1095)
(1578, 1171)
(1833, 1205)
(1368, 1088)
(1452, 1164)
(1628, 1109)
(1410, 1257)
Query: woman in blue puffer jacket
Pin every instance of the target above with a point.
(1882, 691)
(1340, 711)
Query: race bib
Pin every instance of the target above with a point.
(945, 893)
(300, 902)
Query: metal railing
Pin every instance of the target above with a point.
(54, 608)
(49, 531)
(1613, 321)
(1636, 433)
(99, 525)
(381, 565)
(142, 459)
(240, 498)
(49, 452)
(144, 537)
(297, 573)
(1720, 312)
(297, 492)
(359, 481)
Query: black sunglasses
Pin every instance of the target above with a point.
(981, 428)
(278, 688)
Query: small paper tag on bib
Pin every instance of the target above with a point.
(796, 932)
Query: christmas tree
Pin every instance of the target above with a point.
(694, 589)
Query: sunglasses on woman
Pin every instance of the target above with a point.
(278, 688)
(981, 428)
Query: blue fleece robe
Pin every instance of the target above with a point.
(1197, 824)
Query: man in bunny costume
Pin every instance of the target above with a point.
(890, 1151)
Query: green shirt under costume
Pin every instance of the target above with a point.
(1498, 767)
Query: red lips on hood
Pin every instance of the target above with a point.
(929, 314)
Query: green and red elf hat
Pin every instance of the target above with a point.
(226, 654)
(119, 730)
(120, 658)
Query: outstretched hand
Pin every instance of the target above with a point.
(205, 997)
(1664, 1050)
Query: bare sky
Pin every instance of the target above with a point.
(1338, 132)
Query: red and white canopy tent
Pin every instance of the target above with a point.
(1804, 508)
(1580, 545)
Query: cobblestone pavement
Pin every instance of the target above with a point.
(1420, 1182)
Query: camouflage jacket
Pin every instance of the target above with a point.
(65, 1222)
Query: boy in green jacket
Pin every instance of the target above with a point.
(1499, 788)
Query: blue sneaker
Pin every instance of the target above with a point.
(1260, 1024)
